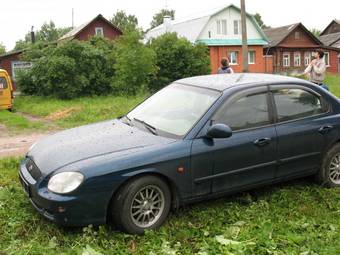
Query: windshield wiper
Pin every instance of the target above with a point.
(128, 122)
(149, 127)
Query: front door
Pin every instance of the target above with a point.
(299, 129)
(247, 157)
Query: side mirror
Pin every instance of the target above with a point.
(219, 131)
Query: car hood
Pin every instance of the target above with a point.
(74, 145)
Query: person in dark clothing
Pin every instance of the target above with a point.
(225, 68)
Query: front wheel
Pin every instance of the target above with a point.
(329, 174)
(141, 204)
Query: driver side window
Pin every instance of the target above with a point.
(248, 111)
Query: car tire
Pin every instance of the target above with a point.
(329, 174)
(143, 203)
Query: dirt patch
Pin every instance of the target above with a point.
(18, 145)
(61, 114)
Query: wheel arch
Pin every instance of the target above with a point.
(175, 197)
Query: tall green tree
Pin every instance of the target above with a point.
(178, 58)
(135, 64)
(2, 48)
(124, 21)
(47, 33)
(259, 20)
(158, 17)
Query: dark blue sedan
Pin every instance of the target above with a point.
(196, 139)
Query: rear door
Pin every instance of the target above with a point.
(300, 128)
(5, 92)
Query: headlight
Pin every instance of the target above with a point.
(65, 182)
(32, 146)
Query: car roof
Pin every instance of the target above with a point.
(222, 82)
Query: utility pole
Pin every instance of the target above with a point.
(244, 37)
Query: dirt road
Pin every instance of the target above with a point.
(18, 145)
(15, 145)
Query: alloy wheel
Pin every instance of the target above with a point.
(147, 206)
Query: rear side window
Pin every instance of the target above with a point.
(246, 112)
(3, 83)
(296, 103)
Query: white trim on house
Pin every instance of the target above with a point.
(233, 57)
(326, 58)
(297, 58)
(307, 58)
(251, 57)
(99, 31)
(286, 59)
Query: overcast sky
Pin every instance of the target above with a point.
(17, 16)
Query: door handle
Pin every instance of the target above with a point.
(262, 141)
(325, 129)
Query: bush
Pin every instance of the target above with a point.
(135, 64)
(100, 66)
(178, 58)
(69, 70)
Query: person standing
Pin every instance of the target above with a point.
(317, 68)
(225, 67)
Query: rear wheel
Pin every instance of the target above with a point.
(329, 174)
(142, 203)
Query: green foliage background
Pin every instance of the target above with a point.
(100, 66)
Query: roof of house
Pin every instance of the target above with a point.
(333, 21)
(221, 82)
(336, 44)
(330, 39)
(10, 53)
(278, 34)
(192, 27)
(75, 31)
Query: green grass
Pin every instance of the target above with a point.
(333, 81)
(76, 112)
(17, 123)
(298, 217)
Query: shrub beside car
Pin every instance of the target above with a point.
(101, 67)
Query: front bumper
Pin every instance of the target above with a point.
(67, 210)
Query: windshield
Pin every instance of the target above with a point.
(174, 109)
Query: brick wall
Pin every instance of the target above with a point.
(218, 52)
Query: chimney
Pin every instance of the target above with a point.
(32, 35)
(167, 23)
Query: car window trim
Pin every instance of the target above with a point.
(240, 94)
(324, 102)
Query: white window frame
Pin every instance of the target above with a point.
(233, 57)
(308, 57)
(97, 29)
(326, 58)
(221, 26)
(286, 59)
(254, 57)
(224, 25)
(218, 26)
(237, 27)
(297, 58)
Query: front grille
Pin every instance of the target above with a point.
(33, 169)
